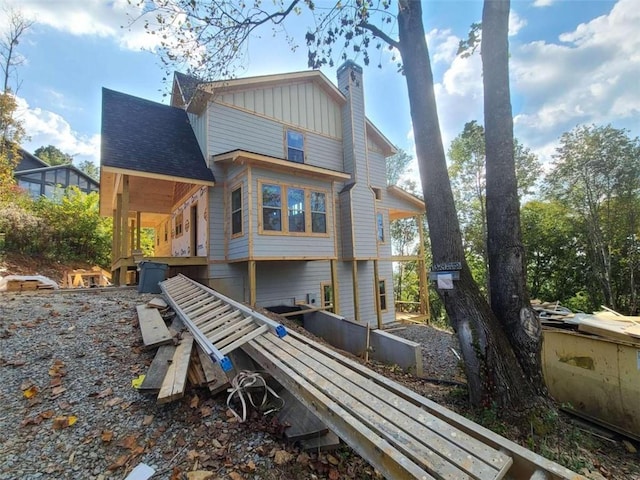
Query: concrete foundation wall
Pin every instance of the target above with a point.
(352, 337)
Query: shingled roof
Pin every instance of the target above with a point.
(150, 137)
(188, 85)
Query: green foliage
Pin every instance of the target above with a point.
(396, 166)
(53, 155)
(67, 228)
(90, 169)
(596, 174)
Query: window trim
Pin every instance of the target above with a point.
(382, 281)
(234, 189)
(323, 303)
(178, 224)
(286, 145)
(284, 208)
(380, 215)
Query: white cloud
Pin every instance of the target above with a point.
(589, 76)
(114, 19)
(49, 128)
(516, 23)
(443, 45)
(543, 3)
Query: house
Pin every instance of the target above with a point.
(270, 189)
(41, 179)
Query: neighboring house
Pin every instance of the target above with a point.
(270, 189)
(39, 178)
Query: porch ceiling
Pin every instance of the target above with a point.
(151, 195)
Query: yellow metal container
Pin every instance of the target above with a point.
(598, 377)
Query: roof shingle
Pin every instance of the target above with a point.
(146, 136)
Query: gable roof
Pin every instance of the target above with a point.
(28, 161)
(149, 137)
(186, 85)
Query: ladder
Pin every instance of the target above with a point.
(218, 323)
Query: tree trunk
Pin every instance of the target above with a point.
(507, 266)
(493, 373)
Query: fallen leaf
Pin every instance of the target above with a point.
(114, 401)
(281, 457)
(235, 476)
(58, 390)
(249, 467)
(47, 414)
(129, 441)
(303, 459)
(63, 422)
(120, 462)
(201, 475)
(106, 436)
(147, 420)
(205, 411)
(194, 401)
(105, 393)
(30, 392)
(333, 474)
(26, 385)
(55, 382)
(332, 460)
(176, 474)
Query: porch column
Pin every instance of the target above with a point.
(124, 230)
(252, 282)
(138, 220)
(376, 290)
(356, 293)
(335, 288)
(117, 239)
(424, 283)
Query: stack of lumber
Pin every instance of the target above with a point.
(81, 278)
(606, 323)
(178, 360)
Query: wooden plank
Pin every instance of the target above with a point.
(525, 462)
(376, 450)
(175, 380)
(216, 379)
(158, 369)
(436, 454)
(228, 329)
(158, 303)
(152, 326)
(195, 373)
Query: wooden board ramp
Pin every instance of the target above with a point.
(218, 323)
(401, 434)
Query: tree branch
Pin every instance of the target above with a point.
(380, 34)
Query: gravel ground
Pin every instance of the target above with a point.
(74, 355)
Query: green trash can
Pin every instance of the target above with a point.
(151, 274)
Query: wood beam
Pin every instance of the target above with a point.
(252, 282)
(124, 230)
(376, 291)
(422, 272)
(138, 223)
(335, 287)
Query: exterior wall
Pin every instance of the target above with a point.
(230, 279)
(181, 242)
(377, 167)
(275, 246)
(304, 104)
(162, 247)
(199, 126)
(288, 283)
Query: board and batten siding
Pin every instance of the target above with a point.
(303, 104)
(288, 283)
(283, 245)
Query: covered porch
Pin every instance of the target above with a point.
(413, 208)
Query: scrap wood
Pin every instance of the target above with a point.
(217, 381)
(157, 371)
(158, 303)
(152, 326)
(175, 380)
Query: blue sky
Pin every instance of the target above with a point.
(572, 62)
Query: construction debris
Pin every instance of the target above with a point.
(82, 278)
(24, 283)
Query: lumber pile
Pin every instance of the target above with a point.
(82, 278)
(178, 360)
(606, 323)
